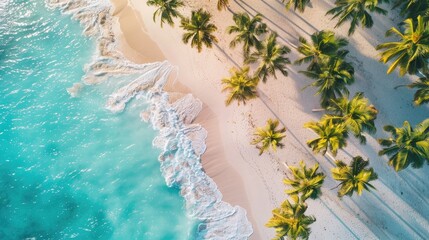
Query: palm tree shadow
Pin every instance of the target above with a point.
(293, 23)
(227, 55)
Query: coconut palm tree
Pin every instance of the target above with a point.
(357, 115)
(241, 86)
(247, 29)
(289, 220)
(331, 136)
(306, 181)
(272, 58)
(422, 94)
(323, 46)
(407, 145)
(298, 4)
(411, 52)
(222, 4)
(269, 136)
(167, 10)
(199, 29)
(331, 78)
(355, 11)
(413, 8)
(355, 177)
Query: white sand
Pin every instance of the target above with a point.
(398, 210)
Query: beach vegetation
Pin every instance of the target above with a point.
(331, 79)
(269, 136)
(357, 12)
(166, 11)
(290, 221)
(271, 58)
(355, 177)
(240, 85)
(357, 114)
(411, 52)
(222, 4)
(297, 4)
(413, 8)
(407, 145)
(421, 96)
(199, 30)
(330, 136)
(323, 46)
(306, 182)
(248, 31)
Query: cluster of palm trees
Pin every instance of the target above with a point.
(289, 220)
(268, 54)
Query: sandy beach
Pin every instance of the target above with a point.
(397, 210)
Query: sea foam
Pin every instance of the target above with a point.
(182, 142)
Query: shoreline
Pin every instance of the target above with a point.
(213, 159)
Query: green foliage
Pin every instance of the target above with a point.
(167, 9)
(331, 78)
(353, 178)
(357, 12)
(269, 136)
(199, 30)
(406, 145)
(422, 94)
(306, 181)
(324, 45)
(222, 4)
(356, 114)
(247, 29)
(289, 220)
(271, 58)
(241, 86)
(331, 136)
(297, 4)
(414, 8)
(411, 52)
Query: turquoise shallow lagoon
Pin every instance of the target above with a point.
(68, 167)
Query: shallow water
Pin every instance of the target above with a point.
(68, 167)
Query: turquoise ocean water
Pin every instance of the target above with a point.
(68, 167)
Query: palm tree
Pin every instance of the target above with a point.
(331, 78)
(413, 8)
(305, 181)
(331, 136)
(222, 4)
(355, 177)
(406, 145)
(411, 53)
(290, 220)
(269, 136)
(167, 9)
(298, 4)
(241, 86)
(199, 30)
(323, 46)
(355, 11)
(271, 57)
(356, 114)
(248, 31)
(422, 94)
